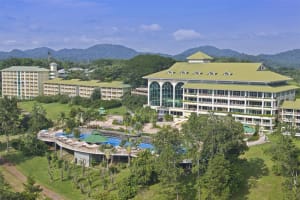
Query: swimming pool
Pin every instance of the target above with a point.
(113, 141)
(248, 129)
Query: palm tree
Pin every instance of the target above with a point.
(127, 120)
(113, 150)
(9, 117)
(128, 149)
(138, 127)
(107, 156)
(62, 119)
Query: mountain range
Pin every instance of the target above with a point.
(289, 58)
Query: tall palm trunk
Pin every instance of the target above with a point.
(7, 142)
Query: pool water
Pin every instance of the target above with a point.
(248, 129)
(113, 141)
(81, 137)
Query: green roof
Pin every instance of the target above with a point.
(199, 56)
(239, 87)
(93, 83)
(291, 104)
(238, 72)
(25, 69)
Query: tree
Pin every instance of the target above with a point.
(31, 189)
(137, 67)
(221, 135)
(133, 102)
(96, 94)
(38, 119)
(217, 179)
(127, 120)
(193, 137)
(31, 146)
(62, 119)
(208, 136)
(70, 124)
(127, 188)
(168, 145)
(9, 118)
(286, 163)
(128, 149)
(107, 157)
(76, 132)
(143, 168)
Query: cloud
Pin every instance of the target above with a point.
(86, 39)
(9, 42)
(150, 27)
(186, 34)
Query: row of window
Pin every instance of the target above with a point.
(224, 109)
(226, 92)
(167, 94)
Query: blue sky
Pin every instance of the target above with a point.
(166, 26)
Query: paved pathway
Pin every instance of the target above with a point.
(262, 140)
(19, 176)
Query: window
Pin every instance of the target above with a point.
(197, 73)
(167, 94)
(178, 94)
(212, 73)
(227, 74)
(154, 94)
(221, 92)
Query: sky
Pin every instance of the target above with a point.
(165, 26)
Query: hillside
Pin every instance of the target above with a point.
(284, 59)
(108, 51)
(92, 53)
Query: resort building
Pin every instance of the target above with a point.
(290, 113)
(76, 87)
(23, 82)
(248, 91)
(142, 91)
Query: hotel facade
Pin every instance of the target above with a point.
(76, 87)
(248, 91)
(290, 113)
(27, 82)
(23, 82)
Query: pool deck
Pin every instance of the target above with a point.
(78, 146)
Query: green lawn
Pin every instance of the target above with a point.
(117, 111)
(37, 167)
(52, 109)
(262, 182)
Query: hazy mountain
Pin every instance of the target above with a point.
(91, 53)
(212, 51)
(284, 59)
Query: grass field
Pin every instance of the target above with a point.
(262, 182)
(37, 167)
(117, 111)
(54, 109)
